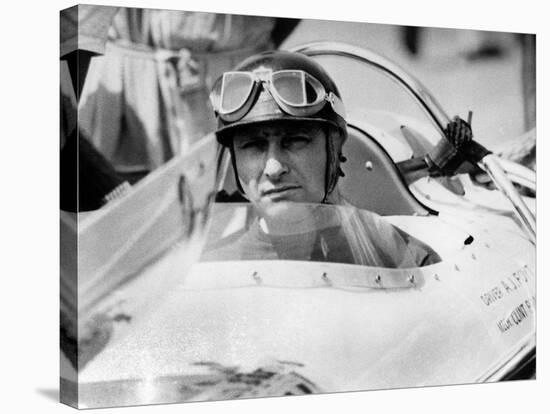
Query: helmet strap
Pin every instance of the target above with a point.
(332, 169)
(235, 172)
(328, 156)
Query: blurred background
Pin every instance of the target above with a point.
(490, 73)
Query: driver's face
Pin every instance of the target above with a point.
(281, 162)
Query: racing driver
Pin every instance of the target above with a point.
(282, 119)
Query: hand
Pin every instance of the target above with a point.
(459, 133)
(449, 154)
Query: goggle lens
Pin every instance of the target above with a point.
(235, 90)
(297, 88)
(290, 86)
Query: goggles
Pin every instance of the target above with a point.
(296, 92)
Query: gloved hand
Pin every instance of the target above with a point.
(459, 132)
(449, 154)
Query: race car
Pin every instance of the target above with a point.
(160, 320)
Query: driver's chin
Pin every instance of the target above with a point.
(285, 217)
(275, 209)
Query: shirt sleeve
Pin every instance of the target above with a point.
(396, 248)
(423, 255)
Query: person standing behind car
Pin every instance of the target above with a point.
(147, 99)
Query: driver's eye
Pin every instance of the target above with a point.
(296, 141)
(252, 144)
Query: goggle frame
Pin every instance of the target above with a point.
(264, 78)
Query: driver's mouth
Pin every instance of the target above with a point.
(280, 190)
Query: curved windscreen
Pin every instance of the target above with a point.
(311, 232)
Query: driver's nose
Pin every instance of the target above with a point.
(275, 167)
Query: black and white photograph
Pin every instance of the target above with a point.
(259, 206)
(254, 204)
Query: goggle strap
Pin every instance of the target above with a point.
(336, 104)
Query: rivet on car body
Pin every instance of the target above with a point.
(436, 277)
(257, 278)
(201, 169)
(369, 166)
(473, 256)
(411, 279)
(326, 279)
(378, 279)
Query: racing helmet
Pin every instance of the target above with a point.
(281, 86)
